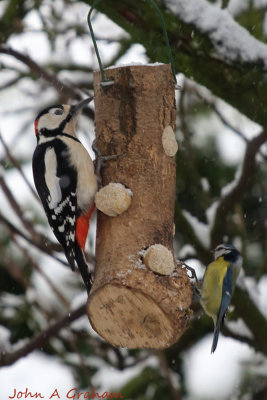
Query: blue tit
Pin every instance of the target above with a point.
(218, 285)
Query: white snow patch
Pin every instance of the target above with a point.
(239, 327)
(258, 292)
(134, 64)
(108, 378)
(262, 290)
(39, 373)
(211, 213)
(4, 339)
(228, 188)
(231, 41)
(208, 381)
(201, 230)
(236, 7)
(185, 250)
(205, 184)
(259, 3)
(137, 53)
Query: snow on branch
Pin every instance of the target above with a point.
(231, 41)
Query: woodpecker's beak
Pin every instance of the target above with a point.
(78, 107)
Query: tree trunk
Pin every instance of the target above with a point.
(129, 305)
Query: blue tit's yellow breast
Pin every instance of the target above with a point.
(211, 292)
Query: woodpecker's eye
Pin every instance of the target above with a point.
(58, 111)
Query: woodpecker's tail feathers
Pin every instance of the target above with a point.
(70, 256)
(76, 258)
(83, 267)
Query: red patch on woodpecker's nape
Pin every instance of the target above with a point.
(82, 227)
(36, 126)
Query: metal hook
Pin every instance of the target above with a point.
(154, 5)
(106, 82)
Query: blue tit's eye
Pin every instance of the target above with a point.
(58, 111)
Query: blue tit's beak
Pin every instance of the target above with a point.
(78, 107)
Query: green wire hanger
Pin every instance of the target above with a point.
(106, 82)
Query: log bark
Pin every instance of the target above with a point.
(129, 305)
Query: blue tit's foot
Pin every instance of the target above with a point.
(193, 272)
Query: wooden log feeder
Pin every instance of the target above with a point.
(140, 298)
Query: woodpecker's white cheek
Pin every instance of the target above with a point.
(51, 179)
(49, 121)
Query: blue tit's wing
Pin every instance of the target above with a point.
(226, 298)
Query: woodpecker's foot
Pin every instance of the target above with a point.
(99, 162)
(193, 272)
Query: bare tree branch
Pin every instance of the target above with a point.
(39, 241)
(61, 297)
(41, 72)
(40, 340)
(16, 207)
(227, 202)
(65, 91)
(212, 103)
(18, 167)
(166, 371)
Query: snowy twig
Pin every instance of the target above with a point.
(211, 102)
(253, 318)
(167, 373)
(40, 242)
(241, 338)
(40, 340)
(227, 202)
(16, 207)
(41, 272)
(11, 82)
(13, 268)
(41, 72)
(63, 89)
(17, 166)
(190, 234)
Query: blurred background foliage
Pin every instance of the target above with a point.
(221, 184)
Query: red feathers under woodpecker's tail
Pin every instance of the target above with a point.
(82, 227)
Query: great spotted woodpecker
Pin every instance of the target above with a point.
(65, 180)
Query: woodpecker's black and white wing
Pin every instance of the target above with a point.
(56, 183)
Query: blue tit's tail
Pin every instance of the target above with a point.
(226, 298)
(215, 338)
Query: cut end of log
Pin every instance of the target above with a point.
(113, 199)
(159, 259)
(128, 318)
(169, 142)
